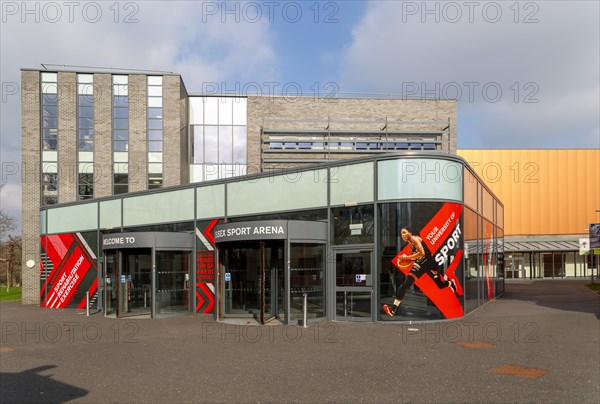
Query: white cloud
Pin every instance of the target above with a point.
(168, 36)
(554, 61)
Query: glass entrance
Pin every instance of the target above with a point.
(110, 282)
(134, 285)
(173, 282)
(307, 275)
(128, 286)
(252, 279)
(354, 284)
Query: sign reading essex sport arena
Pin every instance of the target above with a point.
(268, 229)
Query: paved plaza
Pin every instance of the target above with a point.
(540, 342)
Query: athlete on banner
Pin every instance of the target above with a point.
(422, 263)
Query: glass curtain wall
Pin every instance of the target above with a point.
(218, 137)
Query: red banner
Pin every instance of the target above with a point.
(442, 236)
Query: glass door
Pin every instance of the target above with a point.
(354, 284)
(241, 266)
(134, 285)
(111, 268)
(252, 279)
(307, 275)
(173, 282)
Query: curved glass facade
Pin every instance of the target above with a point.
(419, 230)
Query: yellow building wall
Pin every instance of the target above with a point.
(543, 191)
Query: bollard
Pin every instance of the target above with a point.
(87, 303)
(304, 309)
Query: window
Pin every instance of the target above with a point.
(49, 137)
(219, 139)
(85, 136)
(120, 134)
(154, 126)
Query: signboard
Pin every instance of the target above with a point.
(127, 240)
(262, 230)
(594, 235)
(584, 246)
(205, 266)
(227, 277)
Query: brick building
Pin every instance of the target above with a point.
(136, 190)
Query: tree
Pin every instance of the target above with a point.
(10, 249)
(10, 254)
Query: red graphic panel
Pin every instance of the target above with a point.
(436, 232)
(205, 297)
(68, 273)
(442, 236)
(205, 269)
(205, 266)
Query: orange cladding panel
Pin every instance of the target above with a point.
(543, 191)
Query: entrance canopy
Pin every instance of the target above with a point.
(157, 240)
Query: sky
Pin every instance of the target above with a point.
(524, 73)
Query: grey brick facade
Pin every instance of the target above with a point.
(138, 146)
(30, 120)
(102, 135)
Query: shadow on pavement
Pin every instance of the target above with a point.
(567, 295)
(31, 387)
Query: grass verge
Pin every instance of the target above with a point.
(594, 286)
(12, 294)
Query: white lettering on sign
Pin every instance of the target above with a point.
(437, 233)
(451, 243)
(118, 240)
(268, 230)
(249, 230)
(66, 282)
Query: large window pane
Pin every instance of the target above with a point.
(225, 111)
(354, 225)
(225, 144)
(239, 111)
(296, 190)
(158, 208)
(352, 184)
(419, 178)
(73, 218)
(198, 144)
(239, 145)
(211, 107)
(211, 144)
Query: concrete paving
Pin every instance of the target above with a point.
(538, 343)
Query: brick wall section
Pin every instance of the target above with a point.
(184, 134)
(102, 135)
(172, 158)
(30, 177)
(312, 108)
(67, 137)
(138, 147)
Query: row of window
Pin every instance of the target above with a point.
(155, 139)
(49, 124)
(362, 145)
(85, 134)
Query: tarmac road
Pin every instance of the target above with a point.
(540, 342)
